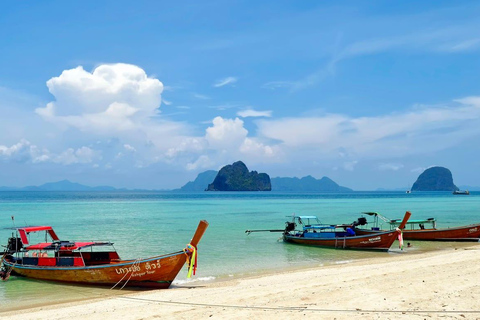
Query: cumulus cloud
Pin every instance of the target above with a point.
(24, 151)
(224, 82)
(201, 163)
(254, 113)
(20, 152)
(231, 136)
(226, 133)
(416, 131)
(72, 156)
(113, 97)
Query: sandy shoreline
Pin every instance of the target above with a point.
(441, 284)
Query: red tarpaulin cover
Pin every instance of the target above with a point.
(23, 232)
(76, 245)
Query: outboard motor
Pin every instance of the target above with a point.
(289, 226)
(361, 221)
(14, 245)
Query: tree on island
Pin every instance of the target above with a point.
(236, 177)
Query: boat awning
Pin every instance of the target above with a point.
(307, 217)
(25, 230)
(320, 227)
(65, 245)
(371, 213)
(429, 220)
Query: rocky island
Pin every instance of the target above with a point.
(236, 177)
(307, 184)
(435, 179)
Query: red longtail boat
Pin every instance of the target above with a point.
(306, 230)
(421, 229)
(68, 261)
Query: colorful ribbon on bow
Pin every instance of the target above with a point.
(191, 253)
(400, 238)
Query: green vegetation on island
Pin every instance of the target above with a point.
(435, 179)
(236, 177)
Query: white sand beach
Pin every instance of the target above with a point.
(435, 285)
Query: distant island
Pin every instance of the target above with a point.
(432, 179)
(281, 184)
(307, 184)
(64, 185)
(435, 179)
(236, 177)
(200, 183)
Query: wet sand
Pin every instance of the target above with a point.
(441, 284)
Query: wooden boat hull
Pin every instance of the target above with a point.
(155, 272)
(378, 242)
(464, 233)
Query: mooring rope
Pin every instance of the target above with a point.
(357, 310)
(131, 273)
(137, 261)
(3, 257)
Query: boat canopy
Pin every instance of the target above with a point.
(65, 245)
(321, 227)
(398, 221)
(429, 220)
(26, 230)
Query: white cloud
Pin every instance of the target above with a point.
(418, 170)
(350, 165)
(129, 148)
(226, 133)
(224, 82)
(112, 98)
(200, 96)
(418, 131)
(273, 85)
(20, 152)
(167, 103)
(72, 156)
(254, 113)
(390, 166)
(24, 151)
(202, 162)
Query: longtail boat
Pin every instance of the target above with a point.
(82, 263)
(306, 230)
(420, 229)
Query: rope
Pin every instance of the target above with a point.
(357, 310)
(3, 257)
(131, 273)
(7, 274)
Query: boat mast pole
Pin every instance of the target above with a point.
(405, 219)
(202, 226)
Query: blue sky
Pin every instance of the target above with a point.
(148, 94)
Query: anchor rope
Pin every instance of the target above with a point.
(131, 273)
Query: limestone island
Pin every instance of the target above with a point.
(435, 179)
(236, 177)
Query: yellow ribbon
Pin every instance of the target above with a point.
(191, 260)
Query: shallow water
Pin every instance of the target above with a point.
(143, 224)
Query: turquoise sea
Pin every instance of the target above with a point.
(143, 224)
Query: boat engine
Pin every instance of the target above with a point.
(14, 245)
(360, 222)
(289, 226)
